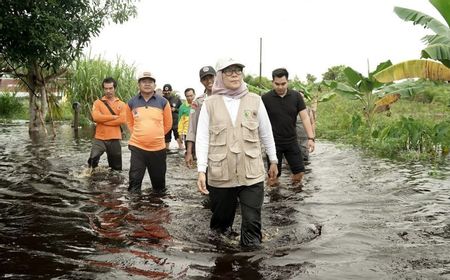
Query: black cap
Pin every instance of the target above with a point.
(207, 70)
(167, 87)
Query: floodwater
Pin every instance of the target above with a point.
(356, 217)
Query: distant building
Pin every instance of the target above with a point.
(10, 85)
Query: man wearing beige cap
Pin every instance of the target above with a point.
(149, 118)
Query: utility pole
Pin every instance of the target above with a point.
(260, 59)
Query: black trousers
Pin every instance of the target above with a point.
(223, 206)
(154, 162)
(113, 151)
(293, 155)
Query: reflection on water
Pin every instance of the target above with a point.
(356, 217)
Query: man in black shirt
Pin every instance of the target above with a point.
(283, 105)
(175, 104)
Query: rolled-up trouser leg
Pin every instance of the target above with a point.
(223, 206)
(157, 169)
(114, 153)
(251, 200)
(138, 164)
(97, 150)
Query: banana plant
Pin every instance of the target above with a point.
(419, 68)
(365, 89)
(438, 47)
(438, 44)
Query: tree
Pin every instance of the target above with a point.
(310, 78)
(40, 39)
(335, 73)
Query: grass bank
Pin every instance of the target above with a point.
(415, 128)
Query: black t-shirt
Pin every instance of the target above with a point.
(174, 102)
(283, 112)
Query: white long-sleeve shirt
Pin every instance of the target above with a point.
(202, 137)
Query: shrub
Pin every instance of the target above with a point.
(10, 105)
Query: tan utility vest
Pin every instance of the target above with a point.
(234, 155)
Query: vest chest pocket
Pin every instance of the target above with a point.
(217, 135)
(250, 131)
(218, 167)
(254, 167)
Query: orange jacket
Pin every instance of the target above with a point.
(107, 124)
(148, 122)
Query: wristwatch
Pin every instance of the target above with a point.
(312, 138)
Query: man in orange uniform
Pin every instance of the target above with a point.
(108, 113)
(149, 118)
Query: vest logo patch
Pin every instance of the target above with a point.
(249, 114)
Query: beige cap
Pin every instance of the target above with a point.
(227, 61)
(146, 74)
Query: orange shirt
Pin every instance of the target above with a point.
(148, 122)
(107, 124)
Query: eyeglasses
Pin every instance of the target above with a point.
(229, 71)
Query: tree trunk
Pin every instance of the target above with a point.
(33, 126)
(38, 105)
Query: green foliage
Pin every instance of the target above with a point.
(84, 81)
(335, 73)
(413, 131)
(334, 118)
(438, 44)
(257, 85)
(40, 39)
(310, 79)
(10, 105)
(52, 34)
(356, 86)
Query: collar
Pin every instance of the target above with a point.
(106, 99)
(153, 96)
(288, 92)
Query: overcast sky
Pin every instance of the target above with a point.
(175, 38)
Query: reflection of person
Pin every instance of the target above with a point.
(231, 126)
(282, 106)
(149, 118)
(108, 113)
(302, 136)
(207, 74)
(175, 104)
(184, 112)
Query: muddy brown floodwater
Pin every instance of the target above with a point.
(356, 217)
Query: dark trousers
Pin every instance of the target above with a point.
(168, 136)
(293, 155)
(223, 206)
(113, 151)
(154, 162)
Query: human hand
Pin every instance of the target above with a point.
(311, 145)
(273, 171)
(189, 159)
(201, 183)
